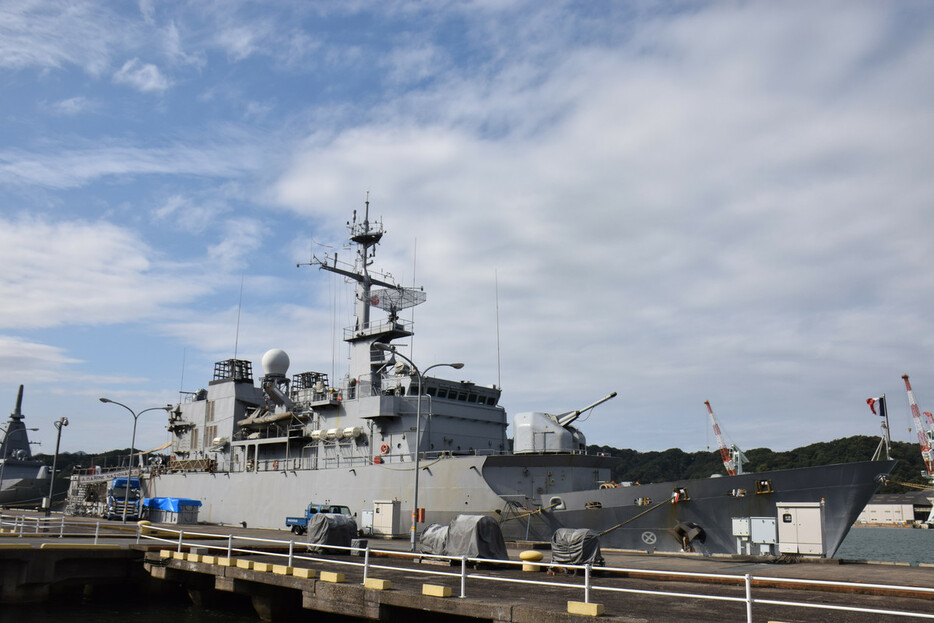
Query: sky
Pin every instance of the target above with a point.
(675, 201)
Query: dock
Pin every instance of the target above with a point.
(275, 573)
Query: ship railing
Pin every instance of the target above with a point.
(737, 588)
(375, 328)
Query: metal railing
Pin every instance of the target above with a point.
(179, 542)
(24, 526)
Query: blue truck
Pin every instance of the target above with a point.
(300, 524)
(118, 495)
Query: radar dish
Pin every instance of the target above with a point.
(395, 300)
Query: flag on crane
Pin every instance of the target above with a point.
(880, 401)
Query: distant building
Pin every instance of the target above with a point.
(898, 508)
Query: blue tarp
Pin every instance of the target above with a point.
(169, 504)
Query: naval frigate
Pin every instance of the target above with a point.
(256, 451)
(23, 479)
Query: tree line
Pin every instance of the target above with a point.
(676, 464)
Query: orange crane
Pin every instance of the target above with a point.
(925, 435)
(733, 457)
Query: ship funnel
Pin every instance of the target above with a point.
(567, 418)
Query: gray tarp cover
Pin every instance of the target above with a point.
(475, 536)
(433, 539)
(575, 546)
(331, 529)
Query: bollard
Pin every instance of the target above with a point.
(61, 528)
(291, 551)
(230, 547)
(463, 577)
(180, 533)
(97, 532)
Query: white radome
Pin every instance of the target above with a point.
(275, 362)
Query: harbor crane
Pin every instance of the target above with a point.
(925, 432)
(733, 457)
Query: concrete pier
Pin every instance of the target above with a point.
(38, 567)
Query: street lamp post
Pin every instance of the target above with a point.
(126, 490)
(59, 423)
(418, 422)
(6, 447)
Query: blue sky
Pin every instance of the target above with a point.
(675, 201)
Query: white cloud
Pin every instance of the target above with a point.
(54, 35)
(77, 273)
(144, 77)
(74, 106)
(68, 166)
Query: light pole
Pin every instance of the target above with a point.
(126, 490)
(6, 447)
(59, 423)
(418, 423)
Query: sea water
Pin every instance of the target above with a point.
(909, 545)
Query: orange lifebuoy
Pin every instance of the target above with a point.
(275, 466)
(377, 460)
(384, 449)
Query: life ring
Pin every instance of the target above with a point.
(384, 449)
(377, 460)
(275, 466)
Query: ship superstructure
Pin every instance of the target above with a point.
(257, 450)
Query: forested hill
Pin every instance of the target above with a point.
(674, 464)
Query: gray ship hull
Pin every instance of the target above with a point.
(531, 496)
(24, 483)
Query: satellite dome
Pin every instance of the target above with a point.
(275, 362)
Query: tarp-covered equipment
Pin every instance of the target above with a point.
(475, 536)
(575, 546)
(331, 529)
(433, 539)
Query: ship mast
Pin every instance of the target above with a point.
(392, 298)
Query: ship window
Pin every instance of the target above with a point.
(786, 518)
(472, 398)
(462, 396)
(442, 393)
(763, 486)
(491, 400)
(430, 391)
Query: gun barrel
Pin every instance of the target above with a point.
(570, 417)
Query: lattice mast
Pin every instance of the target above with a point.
(390, 297)
(925, 436)
(728, 462)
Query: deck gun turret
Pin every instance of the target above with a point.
(538, 432)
